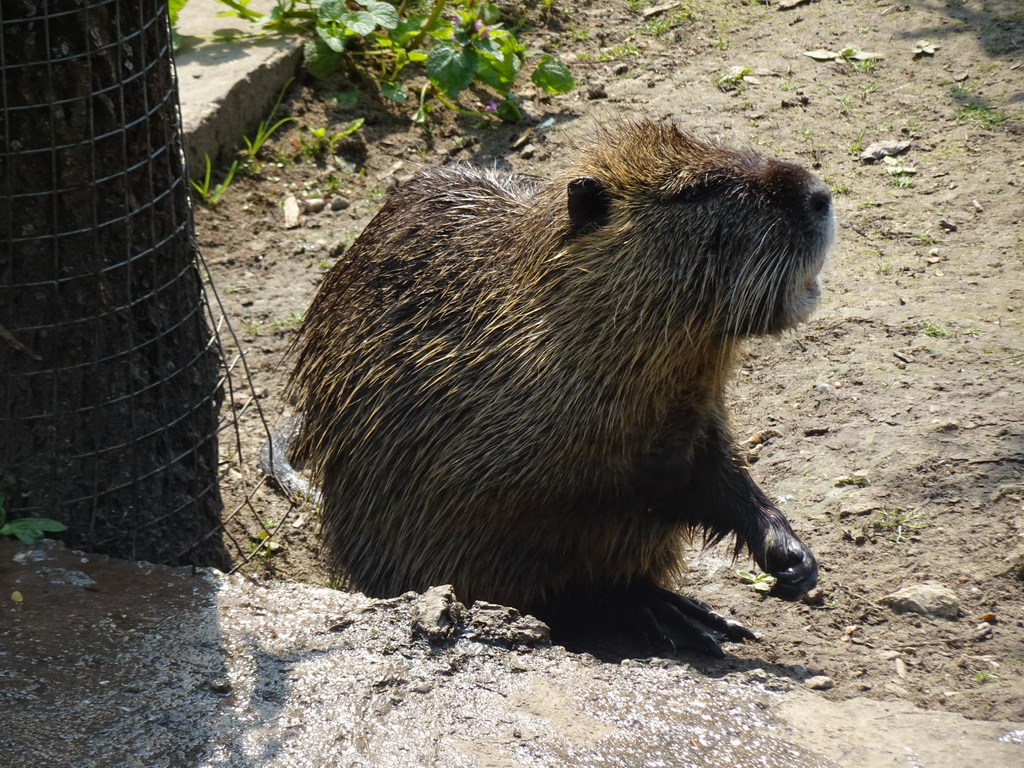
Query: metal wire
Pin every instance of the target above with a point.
(110, 377)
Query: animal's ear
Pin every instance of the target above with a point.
(589, 205)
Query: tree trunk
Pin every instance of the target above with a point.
(108, 373)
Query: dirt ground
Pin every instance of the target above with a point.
(889, 426)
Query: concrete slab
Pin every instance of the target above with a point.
(105, 662)
(226, 86)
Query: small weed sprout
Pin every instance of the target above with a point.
(935, 331)
(984, 676)
(212, 196)
(899, 174)
(733, 79)
(898, 524)
(264, 131)
(27, 530)
(759, 582)
(321, 145)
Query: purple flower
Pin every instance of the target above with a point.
(485, 33)
(477, 25)
(491, 106)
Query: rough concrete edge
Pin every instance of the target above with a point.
(215, 128)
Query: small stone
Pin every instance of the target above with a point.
(977, 206)
(437, 614)
(983, 631)
(596, 91)
(947, 225)
(339, 203)
(820, 683)
(314, 205)
(501, 624)
(928, 599)
(291, 212)
(220, 685)
(875, 152)
(621, 69)
(814, 597)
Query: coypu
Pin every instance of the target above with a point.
(517, 387)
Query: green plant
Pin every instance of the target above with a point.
(264, 131)
(984, 676)
(981, 115)
(27, 530)
(293, 320)
(897, 524)
(935, 331)
(620, 51)
(760, 582)
(899, 174)
(212, 196)
(578, 34)
(837, 187)
(856, 147)
(457, 43)
(263, 544)
(321, 144)
(733, 79)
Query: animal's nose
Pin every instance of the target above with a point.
(818, 201)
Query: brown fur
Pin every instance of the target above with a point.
(484, 381)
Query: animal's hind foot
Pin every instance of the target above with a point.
(672, 621)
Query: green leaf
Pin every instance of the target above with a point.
(552, 76)
(500, 74)
(174, 8)
(417, 55)
(384, 14)
(345, 99)
(360, 22)
(508, 111)
(490, 14)
(29, 530)
(450, 69)
(336, 39)
(489, 47)
(321, 59)
(395, 91)
(351, 128)
(331, 10)
(404, 31)
(422, 115)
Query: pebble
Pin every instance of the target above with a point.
(875, 152)
(596, 91)
(928, 599)
(820, 683)
(291, 212)
(339, 203)
(314, 205)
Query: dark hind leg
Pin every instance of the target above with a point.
(640, 611)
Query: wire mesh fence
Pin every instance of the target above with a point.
(111, 370)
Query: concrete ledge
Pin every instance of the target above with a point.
(226, 87)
